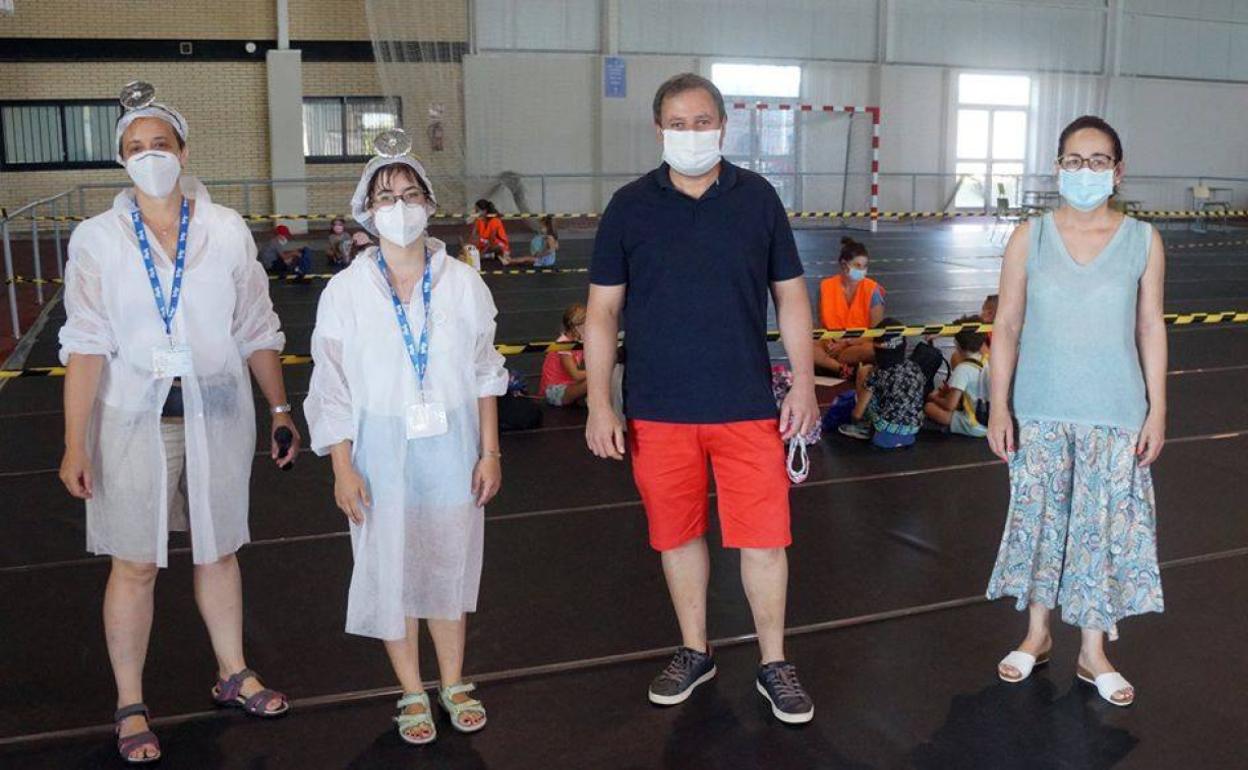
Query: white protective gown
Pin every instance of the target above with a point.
(418, 552)
(225, 315)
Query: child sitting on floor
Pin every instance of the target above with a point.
(563, 371)
(987, 312)
(889, 410)
(960, 405)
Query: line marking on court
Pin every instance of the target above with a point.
(523, 673)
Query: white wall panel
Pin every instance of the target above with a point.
(1185, 48)
(537, 25)
(791, 29)
(530, 114)
(1016, 36)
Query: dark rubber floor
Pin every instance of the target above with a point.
(891, 556)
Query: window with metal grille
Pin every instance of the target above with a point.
(340, 129)
(52, 135)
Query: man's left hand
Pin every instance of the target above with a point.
(800, 411)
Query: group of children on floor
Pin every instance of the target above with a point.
(282, 259)
(486, 235)
(896, 394)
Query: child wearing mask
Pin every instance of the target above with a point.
(889, 410)
(542, 248)
(279, 260)
(338, 249)
(563, 371)
(960, 405)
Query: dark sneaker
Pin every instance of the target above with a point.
(777, 682)
(686, 670)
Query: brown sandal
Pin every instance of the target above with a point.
(129, 744)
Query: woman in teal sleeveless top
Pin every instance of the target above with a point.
(1080, 335)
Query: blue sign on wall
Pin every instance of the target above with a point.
(614, 78)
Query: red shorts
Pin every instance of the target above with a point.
(670, 468)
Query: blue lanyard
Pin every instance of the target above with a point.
(179, 266)
(419, 354)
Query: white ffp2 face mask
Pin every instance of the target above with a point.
(691, 153)
(155, 173)
(401, 223)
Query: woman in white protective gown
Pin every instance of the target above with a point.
(402, 397)
(166, 309)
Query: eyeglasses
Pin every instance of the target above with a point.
(411, 197)
(1098, 162)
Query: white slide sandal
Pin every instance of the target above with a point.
(1108, 685)
(1023, 663)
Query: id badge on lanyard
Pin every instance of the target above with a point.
(426, 416)
(172, 359)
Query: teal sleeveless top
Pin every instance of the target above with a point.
(1077, 357)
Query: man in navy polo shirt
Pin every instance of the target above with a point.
(687, 254)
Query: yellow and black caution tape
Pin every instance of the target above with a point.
(457, 217)
(927, 330)
(1206, 245)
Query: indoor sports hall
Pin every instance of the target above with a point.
(1052, 162)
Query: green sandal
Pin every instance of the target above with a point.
(408, 721)
(457, 710)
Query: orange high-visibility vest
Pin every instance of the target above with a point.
(836, 313)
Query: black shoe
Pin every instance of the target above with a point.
(687, 669)
(777, 682)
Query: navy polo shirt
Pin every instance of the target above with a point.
(698, 275)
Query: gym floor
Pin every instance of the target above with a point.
(891, 556)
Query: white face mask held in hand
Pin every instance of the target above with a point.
(691, 153)
(797, 450)
(401, 223)
(155, 172)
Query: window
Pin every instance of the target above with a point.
(44, 135)
(762, 140)
(991, 139)
(757, 79)
(340, 129)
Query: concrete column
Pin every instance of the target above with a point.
(285, 75)
(609, 18)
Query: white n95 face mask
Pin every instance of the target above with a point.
(155, 172)
(401, 223)
(691, 153)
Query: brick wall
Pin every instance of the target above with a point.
(401, 19)
(190, 19)
(225, 105)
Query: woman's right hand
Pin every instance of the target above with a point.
(76, 472)
(351, 494)
(1001, 432)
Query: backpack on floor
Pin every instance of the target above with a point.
(840, 412)
(979, 409)
(929, 358)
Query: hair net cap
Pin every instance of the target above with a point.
(392, 147)
(138, 99)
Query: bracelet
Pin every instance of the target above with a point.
(281, 409)
(497, 455)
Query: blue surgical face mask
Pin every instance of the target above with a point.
(1086, 189)
(857, 273)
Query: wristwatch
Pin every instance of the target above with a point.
(281, 409)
